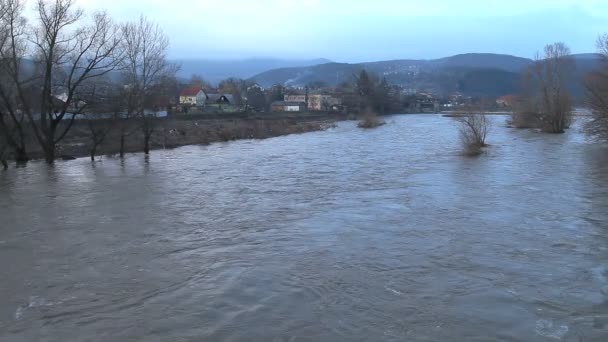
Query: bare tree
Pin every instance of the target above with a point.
(197, 80)
(13, 48)
(602, 46)
(525, 113)
(473, 130)
(69, 51)
(597, 92)
(145, 66)
(122, 104)
(70, 56)
(548, 100)
(326, 105)
(99, 127)
(103, 114)
(3, 146)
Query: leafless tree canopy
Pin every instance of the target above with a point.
(145, 66)
(474, 128)
(69, 51)
(602, 45)
(52, 64)
(71, 55)
(547, 102)
(13, 47)
(597, 92)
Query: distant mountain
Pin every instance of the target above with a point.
(214, 70)
(485, 61)
(478, 74)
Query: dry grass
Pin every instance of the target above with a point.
(172, 133)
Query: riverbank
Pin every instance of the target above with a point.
(183, 130)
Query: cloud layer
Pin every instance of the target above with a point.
(358, 31)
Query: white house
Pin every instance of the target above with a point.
(193, 96)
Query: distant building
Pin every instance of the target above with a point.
(506, 101)
(256, 86)
(224, 103)
(316, 102)
(193, 96)
(287, 106)
(220, 99)
(423, 103)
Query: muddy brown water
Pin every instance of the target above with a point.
(342, 235)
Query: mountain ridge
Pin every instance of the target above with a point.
(473, 74)
(216, 70)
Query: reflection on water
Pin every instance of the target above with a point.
(349, 235)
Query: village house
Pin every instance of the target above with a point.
(256, 86)
(193, 97)
(218, 102)
(316, 102)
(220, 99)
(423, 103)
(287, 106)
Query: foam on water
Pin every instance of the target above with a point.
(547, 328)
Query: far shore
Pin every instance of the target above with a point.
(183, 130)
(200, 129)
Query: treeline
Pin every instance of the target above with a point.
(546, 101)
(367, 92)
(64, 62)
(246, 94)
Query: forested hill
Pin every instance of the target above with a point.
(471, 74)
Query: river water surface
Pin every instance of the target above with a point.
(343, 235)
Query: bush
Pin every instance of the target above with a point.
(370, 120)
(473, 132)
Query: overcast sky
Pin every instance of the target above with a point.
(356, 31)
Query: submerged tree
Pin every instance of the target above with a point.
(597, 92)
(145, 66)
(3, 146)
(473, 131)
(99, 127)
(13, 48)
(71, 55)
(547, 102)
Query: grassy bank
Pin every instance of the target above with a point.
(182, 130)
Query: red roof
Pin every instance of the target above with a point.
(193, 91)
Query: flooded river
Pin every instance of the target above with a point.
(343, 235)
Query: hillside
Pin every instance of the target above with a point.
(216, 70)
(471, 74)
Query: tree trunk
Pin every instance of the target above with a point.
(48, 146)
(21, 156)
(122, 145)
(93, 152)
(146, 143)
(2, 160)
(49, 154)
(48, 143)
(18, 147)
